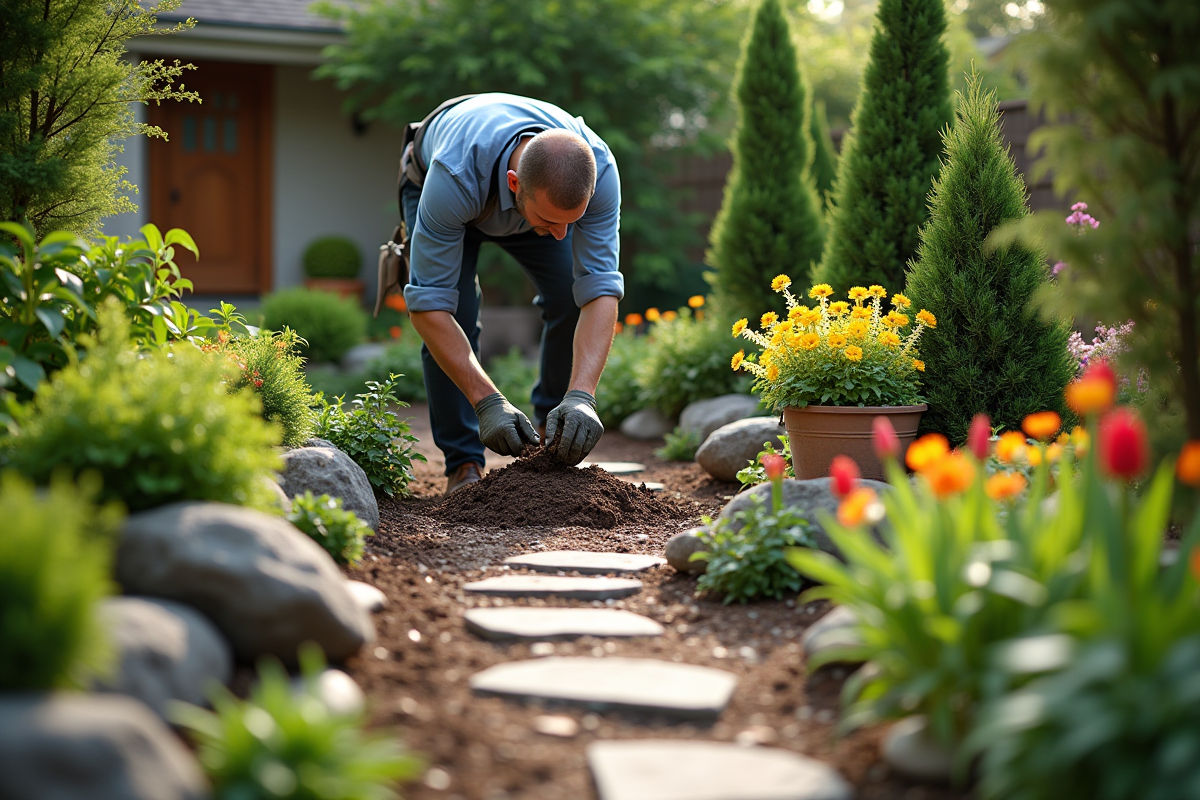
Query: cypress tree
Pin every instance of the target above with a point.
(991, 350)
(769, 222)
(824, 168)
(890, 155)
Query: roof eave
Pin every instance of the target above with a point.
(239, 42)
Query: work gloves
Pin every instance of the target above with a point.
(573, 428)
(503, 427)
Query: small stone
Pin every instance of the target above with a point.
(438, 779)
(585, 562)
(909, 749)
(615, 467)
(528, 622)
(558, 725)
(554, 586)
(838, 628)
(641, 769)
(679, 552)
(646, 425)
(367, 596)
(337, 690)
(541, 649)
(755, 736)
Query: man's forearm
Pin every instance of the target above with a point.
(593, 340)
(452, 352)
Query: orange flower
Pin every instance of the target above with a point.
(1188, 465)
(618, 327)
(633, 320)
(1034, 456)
(395, 331)
(396, 302)
(1004, 485)
(1010, 447)
(696, 301)
(736, 361)
(950, 475)
(1095, 392)
(858, 507)
(1081, 440)
(925, 451)
(1054, 452)
(1041, 426)
(652, 315)
(669, 316)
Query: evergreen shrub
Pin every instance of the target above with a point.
(770, 218)
(336, 529)
(157, 427)
(332, 257)
(54, 563)
(992, 351)
(687, 359)
(825, 159)
(331, 325)
(890, 155)
(268, 365)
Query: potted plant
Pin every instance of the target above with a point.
(332, 264)
(833, 368)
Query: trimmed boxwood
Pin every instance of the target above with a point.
(332, 257)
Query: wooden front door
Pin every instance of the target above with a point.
(212, 176)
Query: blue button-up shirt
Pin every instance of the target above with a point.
(462, 146)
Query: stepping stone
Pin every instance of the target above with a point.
(527, 622)
(636, 684)
(682, 770)
(583, 561)
(555, 586)
(615, 467)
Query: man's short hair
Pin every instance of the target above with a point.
(561, 164)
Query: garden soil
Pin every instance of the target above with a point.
(488, 748)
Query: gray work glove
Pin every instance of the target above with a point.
(575, 425)
(503, 427)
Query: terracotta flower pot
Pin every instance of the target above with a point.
(345, 287)
(818, 433)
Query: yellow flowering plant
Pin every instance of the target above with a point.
(851, 352)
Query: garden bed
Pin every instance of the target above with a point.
(488, 747)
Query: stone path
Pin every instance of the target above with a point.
(584, 563)
(529, 622)
(555, 586)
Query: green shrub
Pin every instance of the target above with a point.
(324, 520)
(992, 351)
(330, 324)
(750, 561)
(285, 744)
(372, 435)
(687, 360)
(54, 562)
(825, 159)
(618, 394)
(679, 445)
(267, 364)
(890, 155)
(515, 376)
(332, 257)
(770, 219)
(158, 427)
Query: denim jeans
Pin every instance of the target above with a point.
(548, 263)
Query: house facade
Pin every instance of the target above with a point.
(268, 161)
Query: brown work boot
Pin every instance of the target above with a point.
(468, 473)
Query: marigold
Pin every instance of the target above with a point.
(1094, 392)
(926, 450)
(1011, 447)
(858, 293)
(812, 317)
(895, 319)
(889, 338)
(853, 352)
(1033, 455)
(860, 312)
(737, 359)
(950, 475)
(810, 340)
(773, 372)
(838, 308)
(836, 340)
(900, 301)
(918, 365)
(670, 316)
(740, 326)
(618, 326)
(820, 290)
(696, 301)
(795, 314)
(877, 291)
(1188, 465)
(652, 315)
(633, 320)
(768, 319)
(1004, 485)
(395, 331)
(857, 329)
(780, 282)
(1042, 425)
(396, 302)
(926, 319)
(860, 506)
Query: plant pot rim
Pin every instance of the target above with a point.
(876, 410)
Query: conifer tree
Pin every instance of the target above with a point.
(991, 350)
(769, 222)
(824, 168)
(890, 155)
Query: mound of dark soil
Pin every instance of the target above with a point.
(538, 490)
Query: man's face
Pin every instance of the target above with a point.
(544, 218)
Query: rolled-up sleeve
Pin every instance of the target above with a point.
(435, 260)
(596, 242)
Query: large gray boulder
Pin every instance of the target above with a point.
(809, 498)
(647, 425)
(91, 747)
(731, 447)
(266, 585)
(327, 470)
(705, 416)
(165, 651)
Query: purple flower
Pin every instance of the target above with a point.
(1079, 207)
(1058, 267)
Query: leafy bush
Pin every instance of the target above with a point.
(158, 427)
(746, 553)
(515, 376)
(54, 562)
(332, 257)
(618, 394)
(372, 435)
(679, 445)
(687, 359)
(330, 325)
(285, 744)
(324, 520)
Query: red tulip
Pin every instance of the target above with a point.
(887, 443)
(978, 436)
(843, 476)
(1123, 449)
(775, 466)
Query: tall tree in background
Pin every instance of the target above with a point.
(66, 90)
(890, 155)
(770, 219)
(824, 167)
(991, 351)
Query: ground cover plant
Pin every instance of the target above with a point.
(372, 435)
(994, 352)
(679, 445)
(329, 324)
(336, 529)
(54, 570)
(771, 213)
(287, 744)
